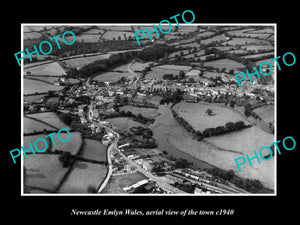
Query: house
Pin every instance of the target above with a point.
(147, 165)
(93, 114)
(190, 98)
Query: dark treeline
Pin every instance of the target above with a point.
(253, 186)
(208, 132)
(151, 53)
(139, 117)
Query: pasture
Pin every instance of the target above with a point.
(73, 145)
(79, 62)
(112, 76)
(266, 112)
(35, 86)
(157, 72)
(83, 175)
(228, 64)
(217, 38)
(49, 69)
(146, 112)
(49, 118)
(124, 123)
(93, 150)
(195, 115)
(44, 171)
(32, 126)
(246, 41)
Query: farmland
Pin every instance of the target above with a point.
(218, 154)
(195, 115)
(199, 63)
(157, 72)
(35, 86)
(225, 63)
(266, 113)
(124, 123)
(31, 126)
(93, 150)
(146, 112)
(49, 118)
(45, 69)
(245, 41)
(83, 175)
(79, 62)
(112, 76)
(44, 171)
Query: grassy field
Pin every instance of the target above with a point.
(112, 76)
(84, 60)
(146, 112)
(33, 98)
(139, 67)
(44, 171)
(266, 112)
(225, 63)
(245, 41)
(118, 182)
(124, 123)
(50, 118)
(243, 141)
(82, 175)
(94, 150)
(268, 54)
(258, 47)
(72, 146)
(31, 126)
(110, 35)
(218, 38)
(40, 144)
(174, 134)
(35, 86)
(158, 71)
(196, 116)
(250, 33)
(50, 69)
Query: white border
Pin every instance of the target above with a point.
(151, 24)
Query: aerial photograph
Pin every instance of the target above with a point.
(163, 115)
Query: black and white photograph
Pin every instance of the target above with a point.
(166, 115)
(150, 113)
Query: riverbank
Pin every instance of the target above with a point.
(172, 138)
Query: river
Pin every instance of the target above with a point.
(161, 128)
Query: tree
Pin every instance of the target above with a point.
(209, 112)
(65, 118)
(231, 71)
(181, 75)
(91, 189)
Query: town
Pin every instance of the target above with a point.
(151, 119)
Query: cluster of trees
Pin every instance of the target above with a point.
(67, 159)
(66, 118)
(170, 76)
(253, 186)
(186, 186)
(145, 132)
(171, 97)
(139, 117)
(229, 127)
(196, 134)
(208, 132)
